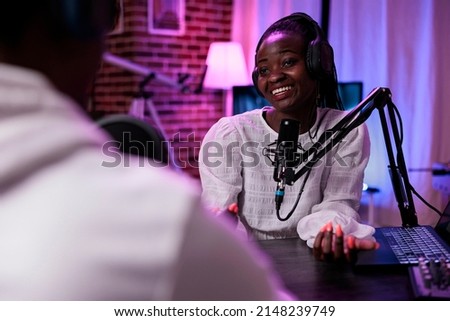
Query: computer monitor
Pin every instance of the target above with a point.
(351, 93)
(246, 98)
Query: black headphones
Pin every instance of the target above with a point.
(319, 54)
(83, 19)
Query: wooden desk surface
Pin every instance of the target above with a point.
(313, 280)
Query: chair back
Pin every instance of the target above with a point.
(136, 137)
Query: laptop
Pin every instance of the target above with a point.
(401, 247)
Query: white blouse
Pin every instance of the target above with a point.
(234, 169)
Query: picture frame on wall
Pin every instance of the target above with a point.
(166, 17)
(119, 27)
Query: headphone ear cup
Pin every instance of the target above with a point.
(326, 59)
(319, 54)
(319, 59)
(255, 75)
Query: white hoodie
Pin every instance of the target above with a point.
(72, 227)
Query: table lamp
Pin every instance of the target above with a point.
(226, 68)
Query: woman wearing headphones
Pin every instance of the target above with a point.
(295, 72)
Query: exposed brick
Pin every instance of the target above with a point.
(185, 117)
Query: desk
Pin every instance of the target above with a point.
(313, 280)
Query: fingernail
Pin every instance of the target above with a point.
(233, 208)
(339, 232)
(329, 227)
(351, 242)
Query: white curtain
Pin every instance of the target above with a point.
(402, 45)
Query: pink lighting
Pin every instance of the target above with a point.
(226, 66)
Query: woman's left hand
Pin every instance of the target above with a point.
(329, 246)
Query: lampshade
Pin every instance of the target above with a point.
(226, 66)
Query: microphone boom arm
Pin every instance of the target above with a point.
(378, 98)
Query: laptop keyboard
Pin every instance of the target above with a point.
(412, 243)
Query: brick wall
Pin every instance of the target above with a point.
(185, 117)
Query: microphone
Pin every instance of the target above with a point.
(285, 157)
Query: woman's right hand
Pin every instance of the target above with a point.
(329, 246)
(231, 212)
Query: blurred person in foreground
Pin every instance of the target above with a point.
(72, 228)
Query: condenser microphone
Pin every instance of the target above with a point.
(285, 157)
(286, 147)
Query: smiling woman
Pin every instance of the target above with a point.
(298, 43)
(295, 73)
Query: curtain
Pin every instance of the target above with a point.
(402, 45)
